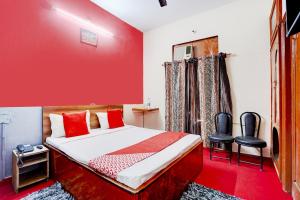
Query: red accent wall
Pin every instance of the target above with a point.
(43, 62)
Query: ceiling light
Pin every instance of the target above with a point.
(83, 22)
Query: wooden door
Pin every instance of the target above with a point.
(275, 67)
(285, 114)
(275, 100)
(296, 113)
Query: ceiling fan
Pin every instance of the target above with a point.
(162, 3)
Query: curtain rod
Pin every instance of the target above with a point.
(226, 54)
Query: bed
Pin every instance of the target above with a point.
(164, 175)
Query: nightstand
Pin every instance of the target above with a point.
(143, 111)
(35, 167)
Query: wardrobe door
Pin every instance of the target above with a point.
(275, 98)
(285, 115)
(296, 122)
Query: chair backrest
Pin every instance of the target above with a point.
(223, 122)
(250, 124)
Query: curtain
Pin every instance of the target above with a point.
(196, 90)
(225, 95)
(175, 96)
(192, 98)
(208, 71)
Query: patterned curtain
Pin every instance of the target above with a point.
(208, 71)
(192, 98)
(225, 95)
(175, 96)
(196, 90)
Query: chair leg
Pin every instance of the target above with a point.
(261, 159)
(210, 149)
(239, 151)
(230, 152)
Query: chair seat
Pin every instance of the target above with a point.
(224, 138)
(250, 141)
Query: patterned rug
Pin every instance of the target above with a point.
(54, 192)
(194, 192)
(200, 192)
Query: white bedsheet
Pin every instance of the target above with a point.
(99, 142)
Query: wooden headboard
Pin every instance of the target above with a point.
(69, 109)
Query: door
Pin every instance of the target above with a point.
(296, 113)
(275, 100)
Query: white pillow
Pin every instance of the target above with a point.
(57, 124)
(88, 120)
(102, 117)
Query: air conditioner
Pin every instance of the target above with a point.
(188, 52)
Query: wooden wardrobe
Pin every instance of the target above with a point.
(285, 101)
(295, 49)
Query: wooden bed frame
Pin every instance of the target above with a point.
(84, 183)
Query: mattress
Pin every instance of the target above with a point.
(99, 142)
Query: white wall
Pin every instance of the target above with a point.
(243, 30)
(25, 128)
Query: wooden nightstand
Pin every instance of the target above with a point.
(144, 110)
(35, 167)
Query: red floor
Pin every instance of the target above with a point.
(7, 192)
(243, 181)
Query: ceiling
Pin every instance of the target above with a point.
(147, 14)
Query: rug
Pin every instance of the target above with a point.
(194, 192)
(54, 192)
(200, 192)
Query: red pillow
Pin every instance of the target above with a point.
(75, 124)
(115, 118)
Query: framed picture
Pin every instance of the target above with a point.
(88, 37)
